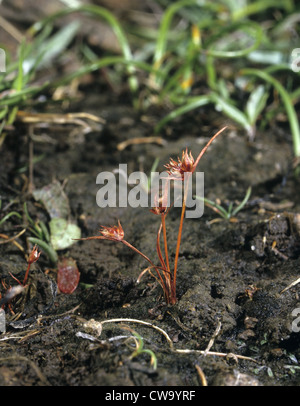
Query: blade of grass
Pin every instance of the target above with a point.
(232, 112)
(243, 202)
(256, 103)
(102, 13)
(101, 63)
(18, 82)
(290, 110)
(250, 27)
(215, 207)
(22, 95)
(191, 104)
(161, 43)
(7, 216)
(45, 52)
(257, 7)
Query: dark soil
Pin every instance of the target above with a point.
(231, 273)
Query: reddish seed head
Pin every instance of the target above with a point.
(187, 161)
(160, 205)
(33, 256)
(158, 210)
(185, 164)
(115, 233)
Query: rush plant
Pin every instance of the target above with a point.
(179, 170)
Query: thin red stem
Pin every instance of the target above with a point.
(26, 275)
(180, 230)
(16, 279)
(150, 262)
(165, 269)
(206, 146)
(163, 222)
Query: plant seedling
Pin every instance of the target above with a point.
(139, 347)
(178, 170)
(33, 257)
(14, 291)
(231, 212)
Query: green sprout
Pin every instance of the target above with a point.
(139, 347)
(230, 212)
(8, 215)
(42, 237)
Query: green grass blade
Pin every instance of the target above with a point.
(7, 216)
(102, 13)
(256, 103)
(161, 44)
(192, 104)
(215, 207)
(290, 110)
(257, 7)
(50, 48)
(244, 201)
(253, 29)
(232, 112)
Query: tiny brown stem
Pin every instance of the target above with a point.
(165, 268)
(180, 233)
(150, 262)
(26, 274)
(163, 222)
(206, 146)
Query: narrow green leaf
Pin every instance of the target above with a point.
(192, 104)
(289, 107)
(256, 103)
(232, 112)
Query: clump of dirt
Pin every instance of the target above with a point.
(230, 278)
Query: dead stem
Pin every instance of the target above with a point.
(201, 375)
(170, 342)
(145, 140)
(290, 285)
(12, 238)
(68, 118)
(212, 340)
(218, 354)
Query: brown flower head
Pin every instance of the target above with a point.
(185, 164)
(33, 256)
(115, 233)
(160, 205)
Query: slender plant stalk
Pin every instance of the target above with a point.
(165, 268)
(162, 283)
(26, 274)
(179, 235)
(163, 222)
(207, 145)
